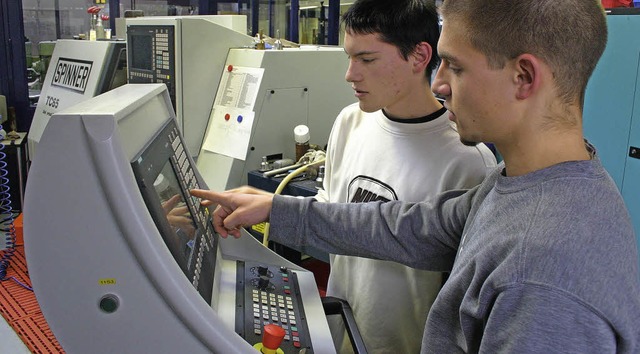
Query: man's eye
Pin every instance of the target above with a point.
(454, 69)
(367, 60)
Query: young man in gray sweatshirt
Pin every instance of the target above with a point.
(542, 254)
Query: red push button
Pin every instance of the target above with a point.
(273, 335)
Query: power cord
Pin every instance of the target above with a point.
(311, 159)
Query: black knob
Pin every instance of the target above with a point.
(263, 282)
(262, 270)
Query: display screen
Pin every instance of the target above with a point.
(141, 48)
(165, 175)
(176, 211)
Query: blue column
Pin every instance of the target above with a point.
(333, 35)
(255, 16)
(13, 62)
(114, 12)
(207, 7)
(272, 9)
(294, 22)
(56, 9)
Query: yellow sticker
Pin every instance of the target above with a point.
(107, 281)
(259, 227)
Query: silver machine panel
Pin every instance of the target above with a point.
(279, 89)
(78, 71)
(110, 269)
(187, 54)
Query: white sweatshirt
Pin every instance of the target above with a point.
(370, 157)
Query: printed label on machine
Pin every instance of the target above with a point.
(239, 87)
(72, 74)
(229, 132)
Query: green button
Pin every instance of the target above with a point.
(109, 303)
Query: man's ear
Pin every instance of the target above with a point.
(528, 75)
(421, 56)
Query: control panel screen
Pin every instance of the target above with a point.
(151, 56)
(165, 175)
(141, 47)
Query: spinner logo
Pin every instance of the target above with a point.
(72, 74)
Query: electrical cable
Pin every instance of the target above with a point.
(7, 226)
(311, 158)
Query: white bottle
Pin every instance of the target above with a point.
(99, 29)
(302, 137)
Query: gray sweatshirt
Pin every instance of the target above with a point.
(541, 263)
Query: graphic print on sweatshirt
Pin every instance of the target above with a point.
(363, 189)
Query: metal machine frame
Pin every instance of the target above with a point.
(78, 71)
(298, 86)
(190, 62)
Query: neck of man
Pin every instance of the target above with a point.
(419, 103)
(537, 146)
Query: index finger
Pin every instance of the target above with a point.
(214, 197)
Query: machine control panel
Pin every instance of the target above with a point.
(270, 296)
(151, 56)
(165, 176)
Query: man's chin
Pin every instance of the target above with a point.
(468, 142)
(368, 109)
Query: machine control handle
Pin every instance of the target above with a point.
(334, 306)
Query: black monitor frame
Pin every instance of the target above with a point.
(166, 155)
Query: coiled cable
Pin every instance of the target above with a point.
(7, 226)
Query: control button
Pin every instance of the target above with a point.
(273, 335)
(109, 303)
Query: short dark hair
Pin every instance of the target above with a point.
(402, 23)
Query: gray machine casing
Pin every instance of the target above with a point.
(300, 86)
(88, 234)
(201, 47)
(101, 57)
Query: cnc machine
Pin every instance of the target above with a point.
(123, 260)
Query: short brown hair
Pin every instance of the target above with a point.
(569, 35)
